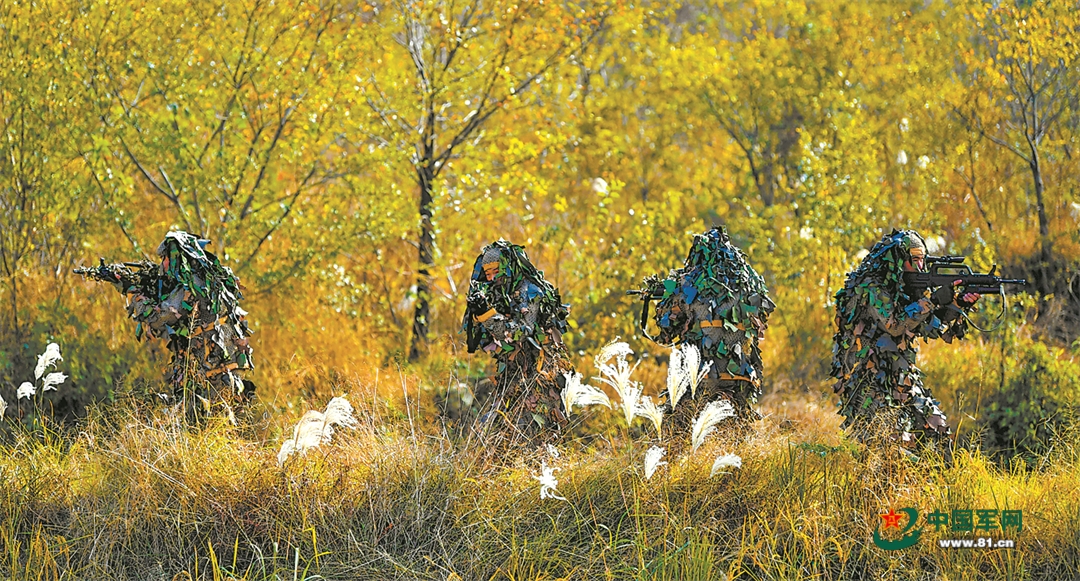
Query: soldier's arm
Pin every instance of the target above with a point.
(956, 330)
(672, 318)
(155, 315)
(953, 325)
(897, 320)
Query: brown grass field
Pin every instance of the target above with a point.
(132, 492)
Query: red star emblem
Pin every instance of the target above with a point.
(891, 518)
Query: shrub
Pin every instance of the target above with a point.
(1037, 403)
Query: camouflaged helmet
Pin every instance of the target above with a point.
(184, 259)
(886, 259)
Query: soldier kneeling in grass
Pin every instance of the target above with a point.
(719, 305)
(518, 317)
(878, 319)
(192, 301)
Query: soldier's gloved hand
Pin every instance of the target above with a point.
(943, 296)
(479, 303)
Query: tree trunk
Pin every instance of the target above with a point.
(1043, 284)
(426, 177)
(16, 332)
(1044, 222)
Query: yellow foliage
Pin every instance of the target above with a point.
(294, 134)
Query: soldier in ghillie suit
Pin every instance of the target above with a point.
(518, 317)
(191, 301)
(878, 320)
(718, 303)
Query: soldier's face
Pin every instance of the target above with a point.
(917, 262)
(491, 270)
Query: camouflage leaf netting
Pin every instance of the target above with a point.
(874, 351)
(519, 318)
(720, 304)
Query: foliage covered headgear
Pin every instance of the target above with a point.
(885, 260)
(713, 256)
(184, 258)
(717, 302)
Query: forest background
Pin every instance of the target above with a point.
(349, 159)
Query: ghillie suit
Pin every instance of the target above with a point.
(720, 304)
(874, 346)
(518, 317)
(191, 301)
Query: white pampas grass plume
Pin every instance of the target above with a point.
(691, 362)
(652, 461)
(52, 380)
(616, 375)
(647, 409)
(307, 434)
(677, 379)
(630, 398)
(26, 390)
(548, 483)
(339, 412)
(288, 447)
(616, 348)
(49, 357)
(714, 413)
(317, 428)
(725, 461)
(3, 407)
(578, 394)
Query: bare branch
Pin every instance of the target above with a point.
(105, 197)
(976, 124)
(172, 189)
(266, 161)
(279, 221)
(171, 197)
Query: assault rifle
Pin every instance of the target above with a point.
(944, 271)
(127, 276)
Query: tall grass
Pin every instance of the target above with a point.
(134, 493)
